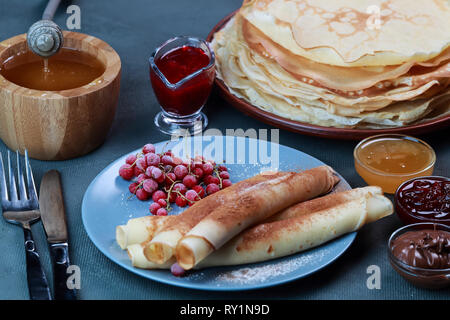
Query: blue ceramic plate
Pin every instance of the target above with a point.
(106, 204)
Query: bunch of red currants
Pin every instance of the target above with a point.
(168, 179)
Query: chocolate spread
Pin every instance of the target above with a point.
(428, 249)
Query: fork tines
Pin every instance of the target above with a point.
(25, 196)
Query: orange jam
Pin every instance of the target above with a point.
(389, 160)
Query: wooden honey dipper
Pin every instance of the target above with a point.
(45, 37)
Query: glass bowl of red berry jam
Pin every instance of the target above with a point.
(424, 199)
(182, 73)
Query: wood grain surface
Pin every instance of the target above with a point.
(58, 125)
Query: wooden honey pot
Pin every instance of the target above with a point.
(65, 113)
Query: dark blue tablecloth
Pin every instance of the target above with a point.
(134, 28)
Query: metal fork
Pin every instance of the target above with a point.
(23, 209)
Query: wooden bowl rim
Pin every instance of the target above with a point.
(312, 129)
(113, 66)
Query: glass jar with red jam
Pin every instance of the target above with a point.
(182, 74)
(424, 199)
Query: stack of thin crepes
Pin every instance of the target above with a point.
(268, 216)
(340, 63)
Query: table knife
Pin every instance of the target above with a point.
(53, 217)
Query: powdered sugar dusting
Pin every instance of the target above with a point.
(255, 274)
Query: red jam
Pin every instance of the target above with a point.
(187, 98)
(425, 199)
(182, 62)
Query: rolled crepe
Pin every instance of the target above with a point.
(281, 238)
(136, 249)
(254, 205)
(162, 247)
(309, 224)
(141, 229)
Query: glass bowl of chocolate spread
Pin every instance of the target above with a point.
(420, 253)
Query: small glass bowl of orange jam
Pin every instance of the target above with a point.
(388, 160)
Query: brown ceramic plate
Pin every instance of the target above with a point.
(314, 130)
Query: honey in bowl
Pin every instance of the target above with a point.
(68, 69)
(389, 160)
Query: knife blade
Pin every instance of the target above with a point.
(53, 215)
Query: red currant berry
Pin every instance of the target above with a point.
(198, 172)
(137, 171)
(142, 195)
(180, 171)
(149, 148)
(226, 183)
(176, 270)
(126, 172)
(213, 180)
(172, 197)
(141, 177)
(150, 185)
(161, 212)
(208, 168)
(181, 202)
(167, 160)
(198, 164)
(189, 181)
(131, 159)
(148, 171)
(162, 203)
(141, 163)
(158, 175)
(206, 179)
(170, 179)
(154, 207)
(200, 191)
(224, 175)
(152, 159)
(132, 187)
(192, 196)
(158, 194)
(180, 188)
(212, 188)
